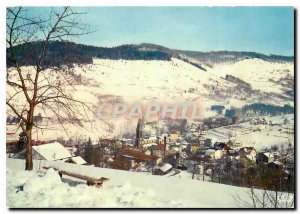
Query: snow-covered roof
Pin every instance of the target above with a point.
(210, 150)
(146, 145)
(250, 157)
(176, 149)
(110, 160)
(268, 154)
(184, 142)
(183, 154)
(166, 167)
(126, 139)
(140, 156)
(237, 157)
(278, 163)
(52, 151)
(95, 143)
(78, 160)
(214, 140)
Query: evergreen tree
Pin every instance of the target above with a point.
(21, 143)
(88, 151)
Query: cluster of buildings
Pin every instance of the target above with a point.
(158, 154)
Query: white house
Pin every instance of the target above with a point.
(51, 152)
(164, 169)
(216, 154)
(211, 152)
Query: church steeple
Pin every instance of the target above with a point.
(139, 132)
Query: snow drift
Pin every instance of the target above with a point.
(124, 189)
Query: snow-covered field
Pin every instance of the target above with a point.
(258, 136)
(124, 189)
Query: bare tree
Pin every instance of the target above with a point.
(266, 189)
(44, 85)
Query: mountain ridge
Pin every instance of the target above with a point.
(66, 52)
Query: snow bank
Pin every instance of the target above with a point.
(47, 190)
(124, 189)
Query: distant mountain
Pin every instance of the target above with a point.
(64, 52)
(215, 57)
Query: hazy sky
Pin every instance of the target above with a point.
(268, 30)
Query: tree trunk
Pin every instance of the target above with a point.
(29, 163)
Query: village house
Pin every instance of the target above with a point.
(210, 152)
(200, 152)
(174, 136)
(207, 143)
(138, 167)
(136, 157)
(237, 143)
(241, 162)
(106, 142)
(184, 145)
(133, 149)
(51, 152)
(223, 147)
(76, 160)
(175, 148)
(151, 140)
(276, 165)
(163, 169)
(264, 157)
(148, 140)
(195, 147)
(202, 135)
(231, 153)
(215, 154)
(159, 150)
(199, 158)
(11, 141)
(218, 154)
(248, 152)
(127, 141)
(202, 140)
(219, 145)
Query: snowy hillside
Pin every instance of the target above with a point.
(262, 75)
(124, 189)
(170, 82)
